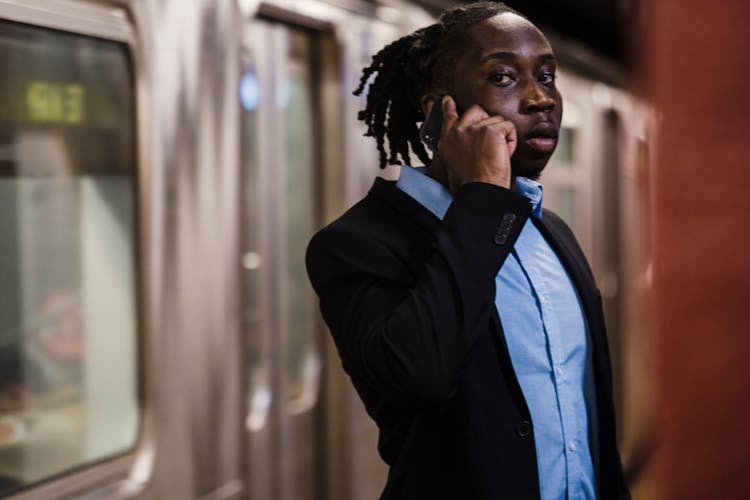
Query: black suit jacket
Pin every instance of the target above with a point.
(409, 300)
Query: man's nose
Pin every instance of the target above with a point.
(536, 98)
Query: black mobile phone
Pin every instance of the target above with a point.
(433, 125)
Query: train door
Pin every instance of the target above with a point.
(282, 151)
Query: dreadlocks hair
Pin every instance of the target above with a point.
(409, 68)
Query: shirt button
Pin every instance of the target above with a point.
(523, 429)
(572, 446)
(560, 372)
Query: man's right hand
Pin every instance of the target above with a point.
(476, 147)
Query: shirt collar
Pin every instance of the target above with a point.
(436, 198)
(533, 191)
(427, 191)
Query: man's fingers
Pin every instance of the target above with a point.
(472, 116)
(475, 146)
(507, 128)
(489, 121)
(450, 115)
(507, 131)
(511, 137)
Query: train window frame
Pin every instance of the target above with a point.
(256, 397)
(126, 473)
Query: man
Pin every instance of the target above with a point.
(465, 315)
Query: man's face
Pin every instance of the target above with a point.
(508, 69)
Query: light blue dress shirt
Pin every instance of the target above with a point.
(545, 331)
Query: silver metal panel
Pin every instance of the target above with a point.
(192, 196)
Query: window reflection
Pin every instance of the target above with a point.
(277, 91)
(67, 253)
(565, 197)
(564, 152)
(300, 158)
(252, 259)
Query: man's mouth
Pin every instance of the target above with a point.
(542, 144)
(542, 137)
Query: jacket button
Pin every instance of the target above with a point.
(523, 429)
(500, 239)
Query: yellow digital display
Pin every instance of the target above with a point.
(70, 90)
(48, 102)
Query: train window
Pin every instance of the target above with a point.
(68, 322)
(564, 153)
(565, 200)
(252, 259)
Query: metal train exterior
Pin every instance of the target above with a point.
(162, 166)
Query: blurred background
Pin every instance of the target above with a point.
(163, 164)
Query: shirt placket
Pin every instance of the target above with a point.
(551, 328)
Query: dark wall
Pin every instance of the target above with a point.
(605, 26)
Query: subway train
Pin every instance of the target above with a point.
(163, 164)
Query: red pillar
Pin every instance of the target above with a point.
(697, 56)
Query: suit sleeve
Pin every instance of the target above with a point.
(410, 339)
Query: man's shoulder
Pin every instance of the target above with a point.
(368, 215)
(374, 233)
(386, 213)
(375, 220)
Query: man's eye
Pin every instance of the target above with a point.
(547, 78)
(501, 78)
